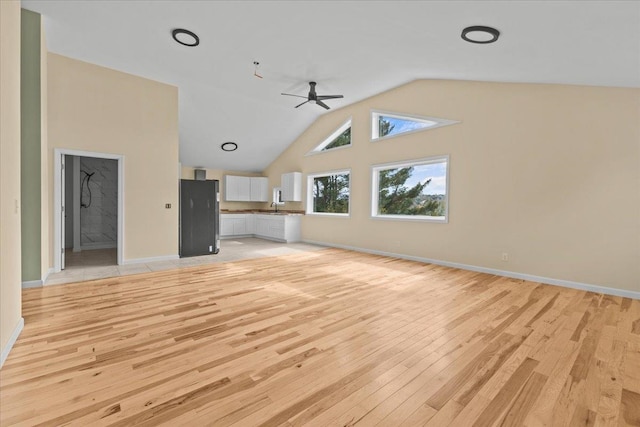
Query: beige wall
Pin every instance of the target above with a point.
(187, 173)
(10, 274)
(96, 109)
(549, 174)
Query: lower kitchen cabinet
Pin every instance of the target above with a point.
(250, 223)
(234, 225)
(281, 228)
(284, 228)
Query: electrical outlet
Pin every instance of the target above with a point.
(167, 206)
(505, 257)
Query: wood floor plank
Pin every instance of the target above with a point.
(630, 408)
(493, 412)
(328, 337)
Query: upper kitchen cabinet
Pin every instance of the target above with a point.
(237, 188)
(246, 189)
(259, 189)
(291, 187)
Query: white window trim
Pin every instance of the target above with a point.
(309, 201)
(375, 116)
(375, 169)
(277, 196)
(328, 140)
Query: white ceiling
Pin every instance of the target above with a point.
(354, 48)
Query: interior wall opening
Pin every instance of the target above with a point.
(90, 212)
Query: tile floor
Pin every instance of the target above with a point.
(91, 258)
(101, 263)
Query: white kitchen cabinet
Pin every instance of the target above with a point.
(234, 225)
(230, 188)
(237, 188)
(283, 228)
(259, 189)
(292, 228)
(246, 189)
(250, 221)
(291, 184)
(239, 226)
(262, 225)
(226, 225)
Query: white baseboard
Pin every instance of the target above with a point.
(46, 275)
(151, 259)
(32, 284)
(514, 275)
(257, 236)
(37, 283)
(237, 236)
(12, 340)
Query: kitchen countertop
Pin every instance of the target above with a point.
(262, 211)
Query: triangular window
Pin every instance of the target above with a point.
(387, 125)
(340, 138)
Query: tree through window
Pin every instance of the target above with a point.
(415, 190)
(341, 137)
(328, 193)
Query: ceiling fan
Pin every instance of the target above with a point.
(313, 97)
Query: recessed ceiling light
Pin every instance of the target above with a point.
(229, 146)
(480, 34)
(185, 37)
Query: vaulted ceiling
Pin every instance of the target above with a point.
(354, 48)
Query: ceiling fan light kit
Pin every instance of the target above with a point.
(480, 34)
(185, 37)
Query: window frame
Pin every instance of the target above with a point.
(375, 118)
(277, 196)
(309, 196)
(375, 190)
(318, 149)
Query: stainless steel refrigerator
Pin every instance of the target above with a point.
(199, 217)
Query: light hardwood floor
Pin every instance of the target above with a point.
(322, 338)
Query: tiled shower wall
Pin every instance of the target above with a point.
(99, 206)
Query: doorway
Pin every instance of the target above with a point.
(91, 212)
(88, 200)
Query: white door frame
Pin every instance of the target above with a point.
(57, 200)
(63, 220)
(76, 203)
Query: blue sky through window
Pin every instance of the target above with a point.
(406, 125)
(438, 174)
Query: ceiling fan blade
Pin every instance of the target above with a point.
(301, 104)
(290, 94)
(322, 104)
(329, 96)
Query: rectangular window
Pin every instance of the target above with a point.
(328, 193)
(414, 190)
